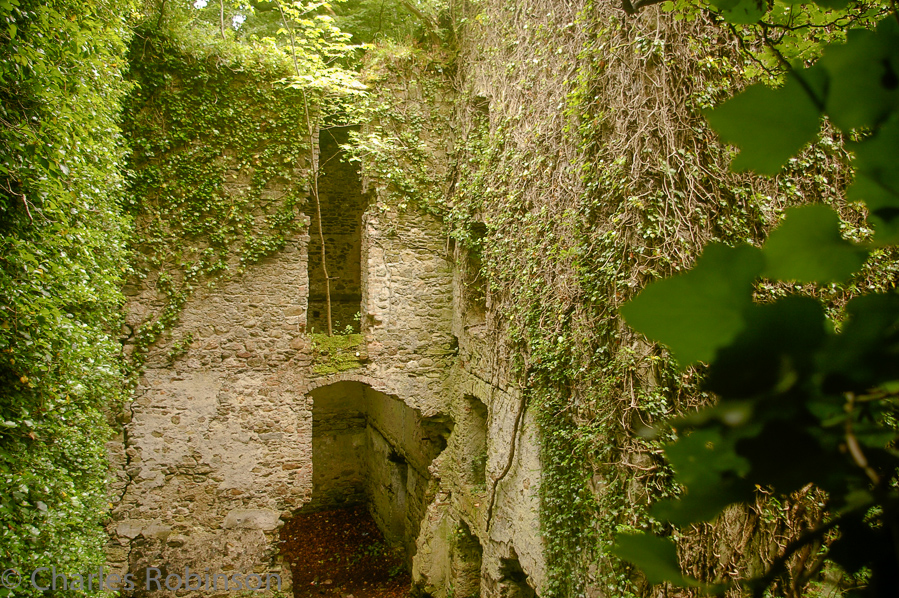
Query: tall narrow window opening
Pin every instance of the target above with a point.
(342, 205)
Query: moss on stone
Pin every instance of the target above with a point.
(337, 353)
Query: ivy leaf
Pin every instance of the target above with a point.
(808, 247)
(877, 180)
(770, 125)
(863, 76)
(699, 311)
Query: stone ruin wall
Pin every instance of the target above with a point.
(218, 446)
(216, 449)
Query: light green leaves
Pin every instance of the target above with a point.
(808, 247)
(855, 84)
(696, 312)
(770, 125)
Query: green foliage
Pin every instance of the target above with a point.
(800, 403)
(217, 179)
(337, 353)
(62, 250)
(658, 554)
(857, 86)
(785, 120)
(740, 11)
(705, 306)
(808, 247)
(372, 21)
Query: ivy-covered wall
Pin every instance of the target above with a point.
(63, 240)
(217, 440)
(216, 313)
(218, 172)
(562, 147)
(582, 168)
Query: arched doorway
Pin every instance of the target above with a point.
(370, 456)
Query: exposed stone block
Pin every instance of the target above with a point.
(262, 519)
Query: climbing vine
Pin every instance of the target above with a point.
(218, 178)
(62, 260)
(583, 170)
(816, 409)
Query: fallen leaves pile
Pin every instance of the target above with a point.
(342, 554)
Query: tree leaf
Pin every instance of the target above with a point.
(877, 180)
(701, 504)
(865, 354)
(770, 125)
(706, 464)
(740, 11)
(854, 532)
(699, 311)
(862, 76)
(773, 353)
(787, 457)
(807, 247)
(656, 557)
(699, 458)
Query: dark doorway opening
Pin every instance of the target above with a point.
(370, 458)
(513, 580)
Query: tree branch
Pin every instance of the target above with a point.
(222, 17)
(429, 25)
(632, 9)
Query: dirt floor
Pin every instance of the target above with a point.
(342, 554)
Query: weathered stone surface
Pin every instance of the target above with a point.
(263, 519)
(219, 445)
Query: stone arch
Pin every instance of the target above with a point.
(372, 447)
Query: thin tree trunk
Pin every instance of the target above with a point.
(310, 130)
(222, 17)
(321, 237)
